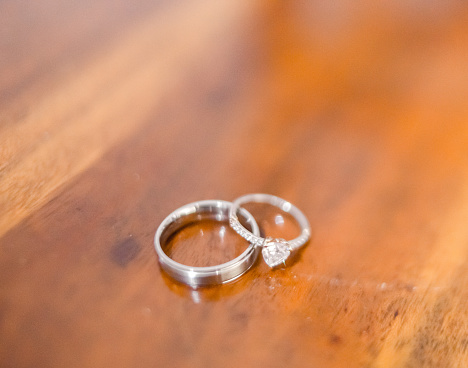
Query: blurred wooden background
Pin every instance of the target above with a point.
(115, 113)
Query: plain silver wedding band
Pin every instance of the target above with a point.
(274, 201)
(202, 276)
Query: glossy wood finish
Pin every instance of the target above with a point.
(114, 113)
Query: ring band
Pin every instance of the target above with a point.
(200, 276)
(275, 251)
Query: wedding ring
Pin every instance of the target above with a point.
(200, 276)
(274, 251)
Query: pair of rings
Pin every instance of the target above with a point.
(274, 251)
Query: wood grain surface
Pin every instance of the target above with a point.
(115, 113)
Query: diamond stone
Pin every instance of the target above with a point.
(275, 252)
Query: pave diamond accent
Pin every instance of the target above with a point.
(275, 251)
(238, 228)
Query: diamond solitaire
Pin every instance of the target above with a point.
(275, 251)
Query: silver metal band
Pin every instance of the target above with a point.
(200, 276)
(275, 251)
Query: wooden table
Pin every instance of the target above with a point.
(115, 113)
